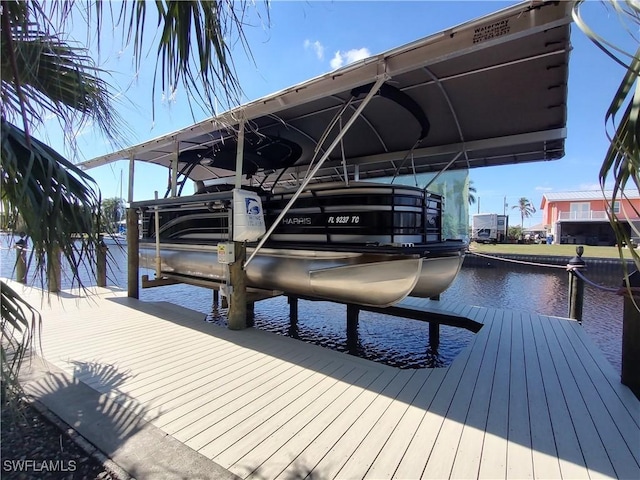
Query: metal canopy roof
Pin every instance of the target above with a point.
(494, 91)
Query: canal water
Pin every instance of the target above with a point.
(404, 342)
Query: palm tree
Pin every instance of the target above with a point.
(526, 209)
(472, 193)
(622, 160)
(43, 75)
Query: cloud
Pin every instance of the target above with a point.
(350, 56)
(543, 189)
(316, 46)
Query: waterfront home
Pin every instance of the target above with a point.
(583, 217)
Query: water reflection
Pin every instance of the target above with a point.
(401, 342)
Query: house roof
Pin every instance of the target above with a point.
(492, 91)
(583, 196)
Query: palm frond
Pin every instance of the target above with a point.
(195, 41)
(43, 76)
(57, 201)
(19, 326)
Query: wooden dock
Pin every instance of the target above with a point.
(530, 397)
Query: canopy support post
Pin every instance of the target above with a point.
(237, 317)
(174, 169)
(376, 86)
(133, 238)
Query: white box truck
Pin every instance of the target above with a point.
(489, 228)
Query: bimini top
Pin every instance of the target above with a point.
(489, 92)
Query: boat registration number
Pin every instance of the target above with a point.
(344, 219)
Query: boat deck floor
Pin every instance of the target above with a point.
(530, 397)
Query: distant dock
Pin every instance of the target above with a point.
(530, 397)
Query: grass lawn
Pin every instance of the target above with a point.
(552, 250)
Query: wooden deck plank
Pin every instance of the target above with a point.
(376, 440)
(229, 446)
(494, 450)
(344, 448)
(187, 421)
(445, 448)
(623, 460)
(543, 448)
(296, 408)
(519, 457)
(469, 450)
(529, 396)
(570, 458)
(288, 456)
(418, 453)
(260, 460)
(594, 452)
(315, 451)
(621, 402)
(391, 452)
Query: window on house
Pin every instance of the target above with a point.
(616, 206)
(580, 210)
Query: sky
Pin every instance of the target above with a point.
(306, 39)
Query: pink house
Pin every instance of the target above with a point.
(581, 217)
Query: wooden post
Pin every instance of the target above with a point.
(237, 317)
(21, 263)
(353, 312)
(576, 285)
(54, 271)
(133, 261)
(630, 375)
(101, 264)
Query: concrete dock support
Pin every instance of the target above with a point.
(630, 375)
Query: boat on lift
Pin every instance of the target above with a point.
(365, 243)
(307, 162)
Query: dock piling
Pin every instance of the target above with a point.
(353, 313)
(133, 261)
(237, 316)
(54, 270)
(101, 264)
(576, 285)
(434, 335)
(630, 372)
(21, 263)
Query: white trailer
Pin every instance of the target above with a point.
(489, 228)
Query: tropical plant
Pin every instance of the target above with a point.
(112, 211)
(622, 160)
(44, 75)
(525, 208)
